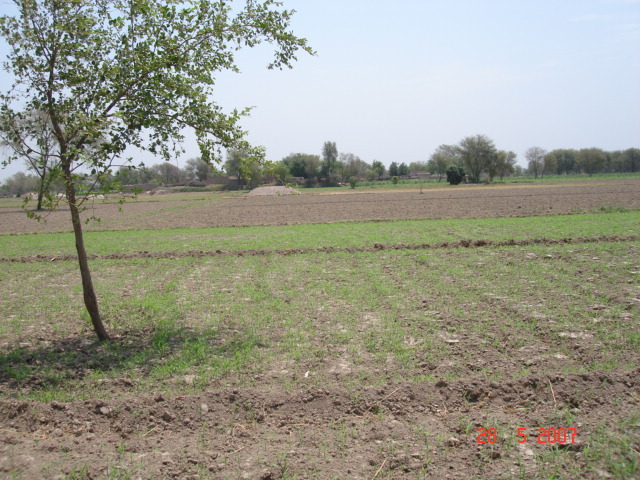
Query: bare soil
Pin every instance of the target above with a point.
(340, 430)
(272, 191)
(266, 433)
(216, 210)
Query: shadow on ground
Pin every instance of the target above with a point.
(157, 351)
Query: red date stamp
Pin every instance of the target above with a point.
(544, 435)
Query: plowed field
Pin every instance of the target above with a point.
(216, 210)
(467, 359)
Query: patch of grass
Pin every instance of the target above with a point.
(350, 234)
(610, 450)
(368, 317)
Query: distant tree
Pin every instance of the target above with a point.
(441, 158)
(615, 161)
(246, 165)
(312, 167)
(549, 164)
(379, 168)
(632, 160)
(20, 183)
(130, 175)
(353, 182)
(301, 164)
(506, 162)
(281, 172)
(354, 166)
(38, 149)
(476, 152)
(403, 169)
(493, 165)
(535, 160)
(419, 167)
(198, 169)
(455, 174)
(168, 173)
(393, 169)
(591, 160)
(339, 170)
(295, 164)
(565, 160)
(395, 180)
(329, 159)
(232, 163)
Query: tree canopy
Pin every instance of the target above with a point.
(535, 160)
(477, 152)
(110, 74)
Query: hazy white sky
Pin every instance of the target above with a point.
(393, 80)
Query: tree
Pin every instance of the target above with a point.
(616, 161)
(20, 183)
(393, 169)
(565, 160)
(632, 159)
(419, 167)
(312, 166)
(378, 167)
(246, 165)
(455, 174)
(443, 156)
(198, 169)
(403, 169)
(110, 74)
(168, 173)
(329, 159)
(130, 175)
(304, 165)
(506, 163)
(493, 165)
(591, 160)
(549, 164)
(280, 172)
(476, 152)
(535, 160)
(38, 151)
(354, 166)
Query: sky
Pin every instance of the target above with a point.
(392, 81)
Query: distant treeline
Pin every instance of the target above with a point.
(473, 159)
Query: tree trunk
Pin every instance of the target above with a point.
(42, 187)
(90, 299)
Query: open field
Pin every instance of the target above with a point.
(201, 210)
(306, 345)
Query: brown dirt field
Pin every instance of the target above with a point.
(313, 433)
(273, 425)
(464, 201)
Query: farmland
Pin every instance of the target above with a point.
(364, 334)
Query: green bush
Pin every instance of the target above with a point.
(455, 174)
(353, 182)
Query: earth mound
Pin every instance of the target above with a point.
(272, 191)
